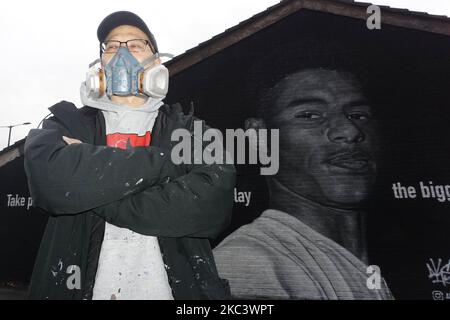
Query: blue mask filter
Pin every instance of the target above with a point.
(122, 74)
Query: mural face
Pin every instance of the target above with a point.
(328, 138)
(328, 153)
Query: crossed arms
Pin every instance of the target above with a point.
(139, 188)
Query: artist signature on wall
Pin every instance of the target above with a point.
(439, 272)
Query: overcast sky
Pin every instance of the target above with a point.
(46, 45)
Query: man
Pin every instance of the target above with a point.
(311, 242)
(125, 222)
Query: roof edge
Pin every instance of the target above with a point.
(391, 16)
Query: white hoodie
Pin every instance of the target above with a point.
(130, 264)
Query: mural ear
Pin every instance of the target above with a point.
(254, 123)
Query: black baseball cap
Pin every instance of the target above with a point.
(121, 18)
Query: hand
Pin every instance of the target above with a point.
(70, 140)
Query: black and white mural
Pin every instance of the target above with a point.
(358, 206)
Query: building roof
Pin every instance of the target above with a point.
(405, 18)
(12, 152)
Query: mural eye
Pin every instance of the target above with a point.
(358, 116)
(308, 115)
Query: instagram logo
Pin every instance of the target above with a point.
(438, 295)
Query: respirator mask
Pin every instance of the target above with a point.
(124, 75)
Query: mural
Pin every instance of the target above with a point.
(359, 205)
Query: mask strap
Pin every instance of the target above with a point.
(168, 55)
(145, 62)
(93, 63)
(154, 57)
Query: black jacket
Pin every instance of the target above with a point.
(84, 185)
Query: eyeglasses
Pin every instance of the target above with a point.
(133, 45)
